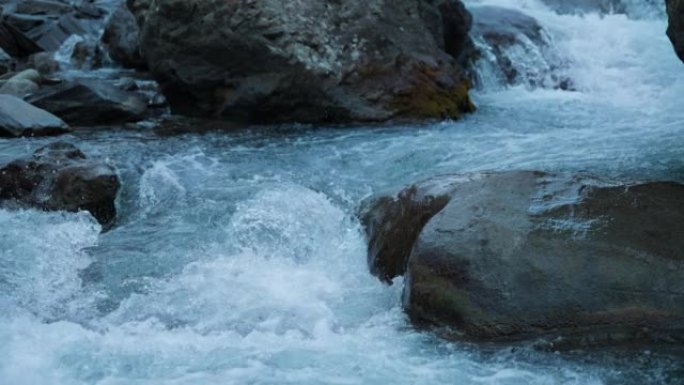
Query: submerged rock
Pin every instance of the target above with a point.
(18, 118)
(522, 254)
(60, 177)
(675, 29)
(90, 102)
(307, 60)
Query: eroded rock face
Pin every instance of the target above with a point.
(307, 60)
(60, 177)
(522, 254)
(18, 118)
(675, 29)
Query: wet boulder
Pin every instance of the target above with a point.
(90, 102)
(18, 118)
(121, 39)
(60, 177)
(675, 29)
(307, 60)
(518, 49)
(21, 84)
(515, 255)
(18, 87)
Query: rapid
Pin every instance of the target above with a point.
(237, 257)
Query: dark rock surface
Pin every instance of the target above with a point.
(88, 102)
(18, 118)
(31, 26)
(675, 29)
(7, 64)
(307, 60)
(522, 254)
(121, 39)
(60, 177)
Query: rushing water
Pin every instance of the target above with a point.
(237, 258)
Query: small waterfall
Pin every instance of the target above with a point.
(515, 49)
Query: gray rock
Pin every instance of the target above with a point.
(87, 54)
(306, 60)
(18, 87)
(44, 63)
(675, 29)
(27, 74)
(18, 118)
(90, 102)
(42, 7)
(14, 41)
(60, 177)
(523, 254)
(121, 39)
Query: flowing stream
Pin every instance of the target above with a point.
(237, 258)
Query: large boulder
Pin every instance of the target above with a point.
(18, 118)
(90, 102)
(675, 29)
(522, 254)
(121, 39)
(21, 84)
(60, 177)
(307, 60)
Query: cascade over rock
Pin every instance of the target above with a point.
(307, 60)
(518, 47)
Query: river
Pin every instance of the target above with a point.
(237, 257)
